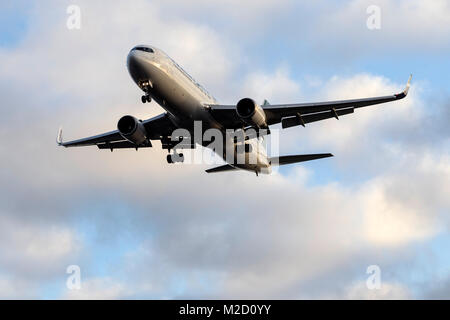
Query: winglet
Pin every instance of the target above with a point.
(59, 137)
(408, 84)
(404, 93)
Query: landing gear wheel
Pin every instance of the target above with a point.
(144, 99)
(171, 160)
(148, 98)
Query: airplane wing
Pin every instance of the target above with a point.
(158, 128)
(301, 113)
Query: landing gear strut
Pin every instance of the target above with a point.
(173, 158)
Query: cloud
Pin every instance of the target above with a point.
(253, 248)
(440, 290)
(276, 86)
(183, 233)
(35, 250)
(419, 195)
(16, 288)
(405, 25)
(97, 289)
(388, 291)
(251, 13)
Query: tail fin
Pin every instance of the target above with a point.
(298, 158)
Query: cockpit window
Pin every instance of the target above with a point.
(146, 49)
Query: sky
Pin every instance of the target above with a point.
(139, 228)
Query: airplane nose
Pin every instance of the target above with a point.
(136, 65)
(134, 62)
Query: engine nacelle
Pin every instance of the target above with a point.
(132, 129)
(248, 110)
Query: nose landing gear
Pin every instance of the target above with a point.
(146, 86)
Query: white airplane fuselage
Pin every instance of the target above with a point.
(184, 99)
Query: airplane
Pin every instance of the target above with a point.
(186, 103)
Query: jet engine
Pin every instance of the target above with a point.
(132, 129)
(248, 110)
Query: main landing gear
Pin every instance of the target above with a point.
(146, 98)
(176, 157)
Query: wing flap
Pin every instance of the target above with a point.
(303, 119)
(122, 145)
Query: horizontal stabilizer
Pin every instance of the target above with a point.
(298, 158)
(225, 167)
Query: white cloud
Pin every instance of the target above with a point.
(241, 236)
(406, 207)
(35, 250)
(387, 291)
(273, 87)
(250, 12)
(97, 289)
(252, 247)
(16, 288)
(394, 223)
(405, 24)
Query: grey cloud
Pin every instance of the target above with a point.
(264, 237)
